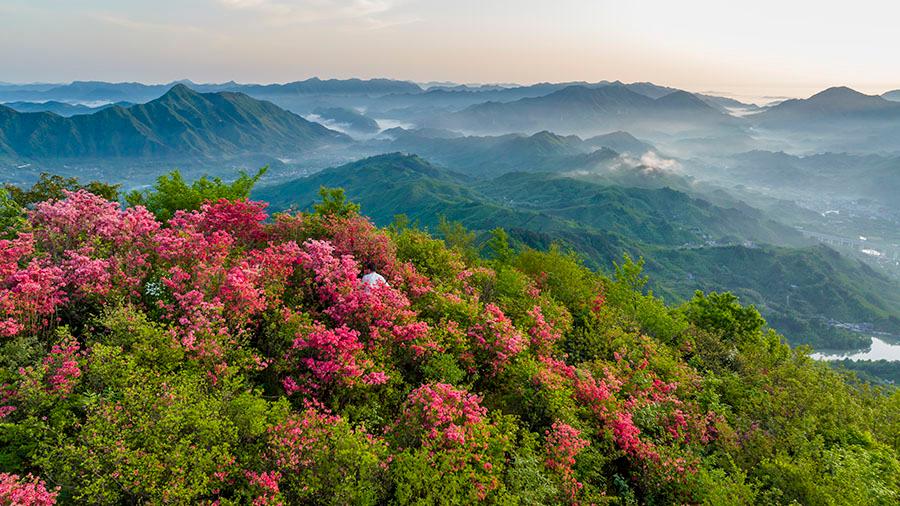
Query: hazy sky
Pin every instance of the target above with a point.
(782, 47)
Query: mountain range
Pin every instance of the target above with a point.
(61, 108)
(577, 109)
(92, 91)
(491, 156)
(181, 123)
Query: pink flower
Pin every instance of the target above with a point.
(25, 491)
(497, 340)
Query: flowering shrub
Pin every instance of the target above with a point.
(563, 443)
(27, 491)
(495, 339)
(56, 375)
(446, 430)
(317, 452)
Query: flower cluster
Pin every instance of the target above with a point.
(57, 374)
(543, 335)
(496, 339)
(563, 443)
(25, 491)
(327, 357)
(439, 415)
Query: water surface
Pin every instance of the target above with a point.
(878, 350)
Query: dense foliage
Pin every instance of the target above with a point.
(228, 357)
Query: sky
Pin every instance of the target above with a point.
(743, 49)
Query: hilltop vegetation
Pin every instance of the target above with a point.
(224, 358)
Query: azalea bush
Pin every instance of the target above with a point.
(205, 352)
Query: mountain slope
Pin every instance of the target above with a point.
(181, 123)
(677, 234)
(799, 290)
(835, 104)
(491, 156)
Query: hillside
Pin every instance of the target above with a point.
(181, 123)
(799, 290)
(621, 142)
(840, 175)
(834, 103)
(225, 358)
(491, 156)
(392, 184)
(680, 236)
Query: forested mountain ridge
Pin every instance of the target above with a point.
(181, 123)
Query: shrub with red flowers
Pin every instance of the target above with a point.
(448, 431)
(328, 358)
(25, 491)
(56, 375)
(495, 339)
(316, 452)
(563, 443)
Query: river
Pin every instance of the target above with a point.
(879, 350)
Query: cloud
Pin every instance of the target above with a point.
(653, 162)
(145, 26)
(648, 164)
(372, 14)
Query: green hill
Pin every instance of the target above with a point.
(181, 123)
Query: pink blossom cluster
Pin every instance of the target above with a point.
(31, 288)
(62, 366)
(297, 443)
(30, 296)
(58, 372)
(242, 219)
(437, 414)
(381, 314)
(7, 395)
(25, 491)
(543, 335)
(330, 357)
(85, 228)
(267, 484)
(616, 396)
(496, 339)
(562, 444)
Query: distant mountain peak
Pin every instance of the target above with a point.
(180, 90)
(838, 92)
(681, 98)
(834, 102)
